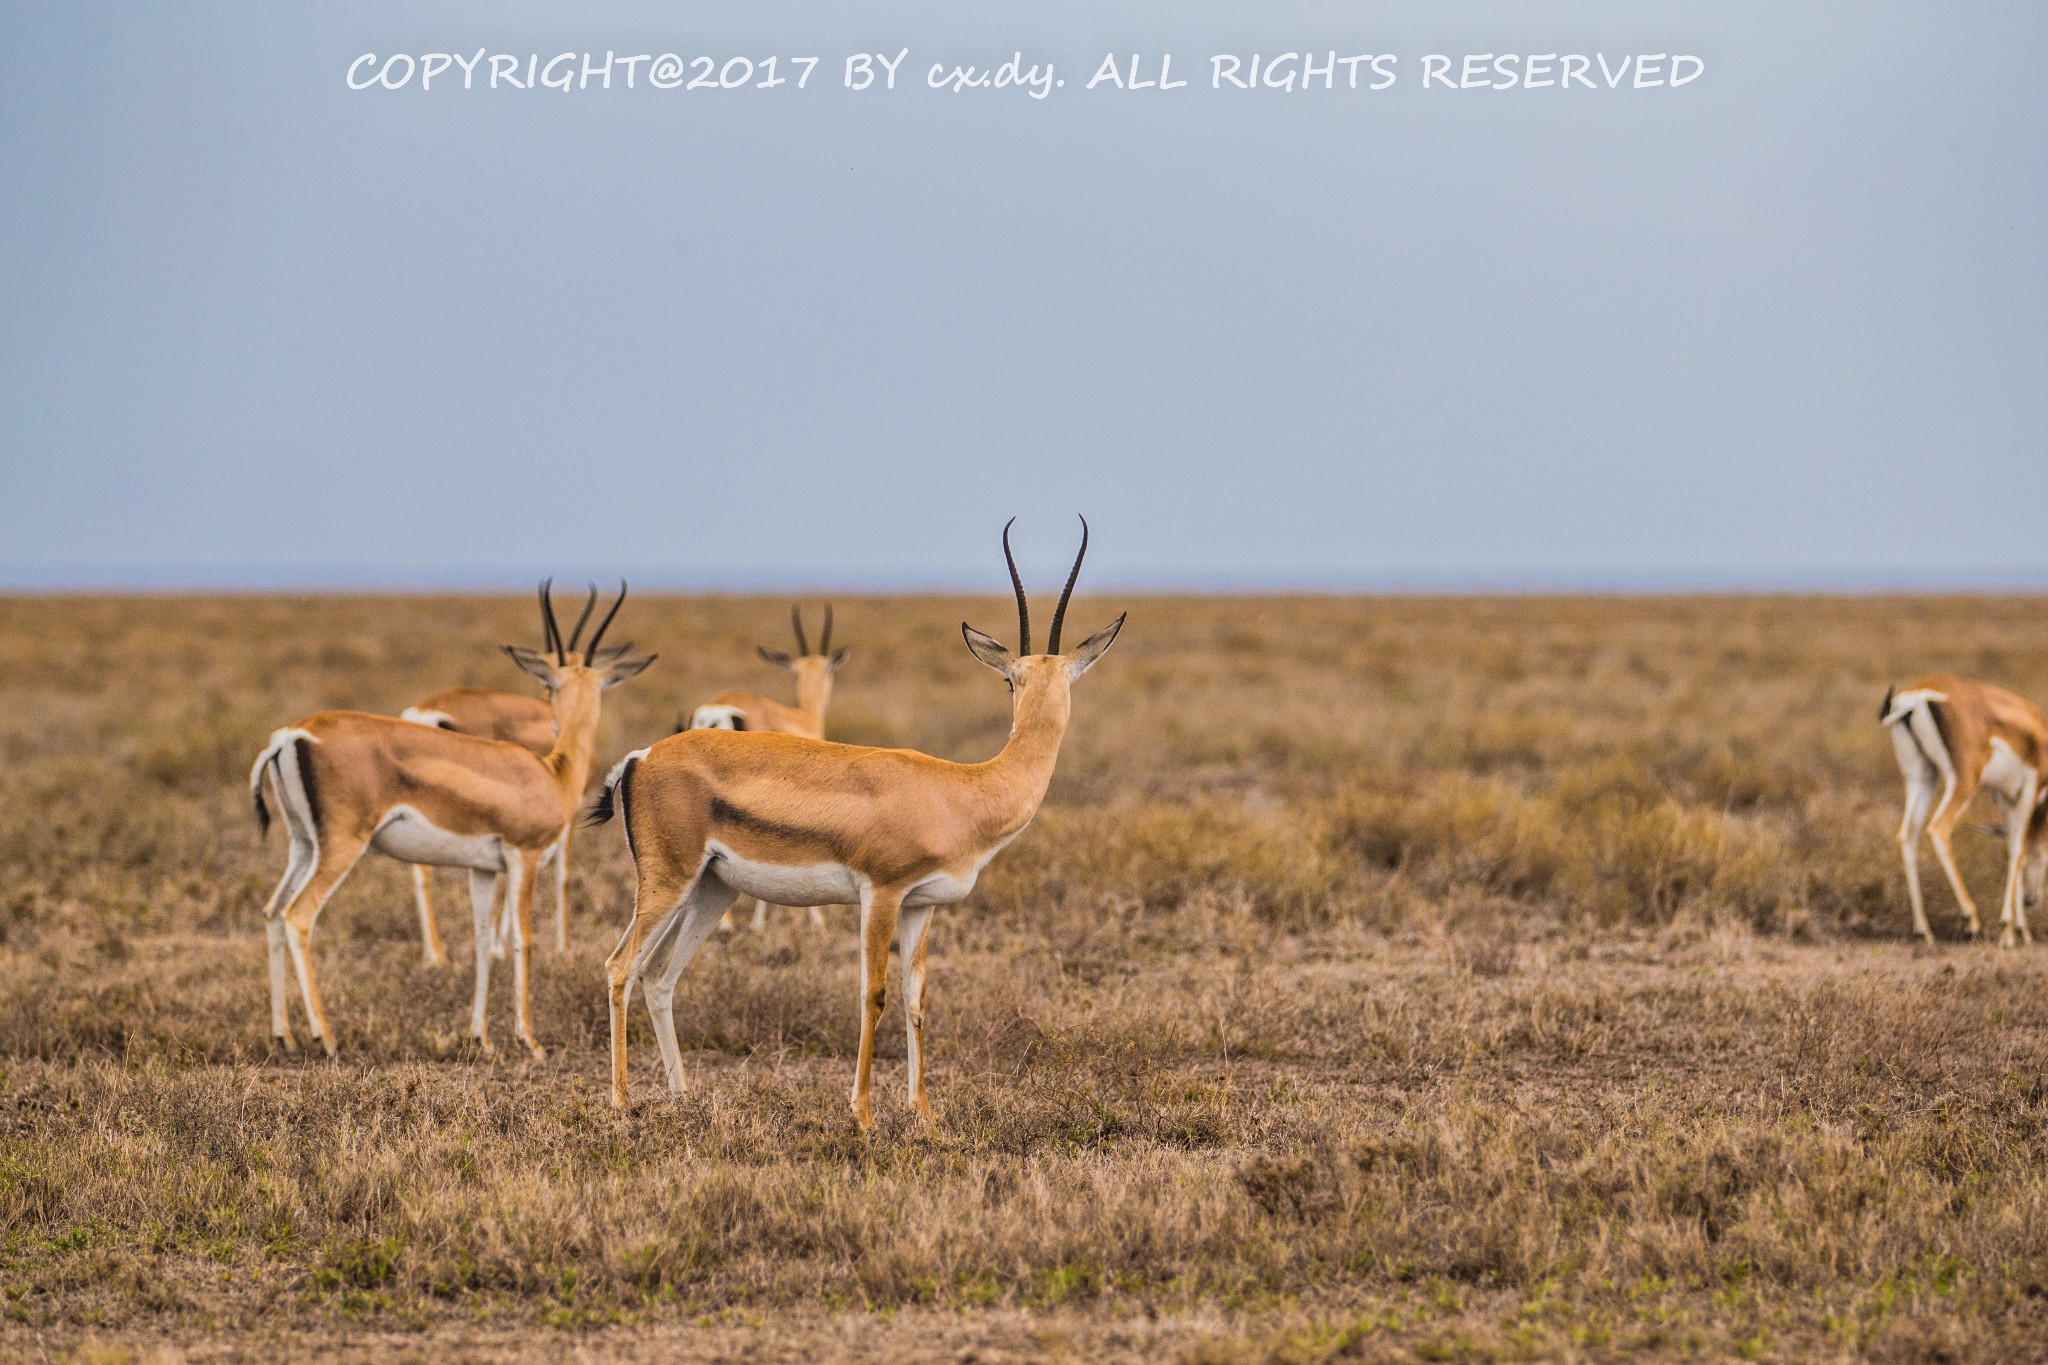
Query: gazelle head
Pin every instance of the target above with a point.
(1042, 679)
(574, 677)
(813, 671)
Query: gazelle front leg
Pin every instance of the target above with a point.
(483, 890)
(878, 911)
(430, 933)
(910, 939)
(562, 889)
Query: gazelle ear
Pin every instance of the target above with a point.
(1093, 648)
(539, 665)
(839, 658)
(776, 657)
(625, 670)
(988, 649)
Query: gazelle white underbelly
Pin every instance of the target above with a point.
(410, 837)
(945, 888)
(812, 884)
(2005, 772)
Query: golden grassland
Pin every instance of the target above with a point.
(1383, 979)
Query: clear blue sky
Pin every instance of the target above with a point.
(1788, 324)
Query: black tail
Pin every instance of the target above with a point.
(1886, 708)
(612, 800)
(681, 724)
(262, 812)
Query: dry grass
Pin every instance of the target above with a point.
(1383, 979)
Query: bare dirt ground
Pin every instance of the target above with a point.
(1384, 979)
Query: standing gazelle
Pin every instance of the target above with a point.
(735, 710)
(710, 813)
(518, 719)
(1965, 736)
(348, 781)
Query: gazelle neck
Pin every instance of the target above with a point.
(576, 707)
(813, 690)
(1038, 723)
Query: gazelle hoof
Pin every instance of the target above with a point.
(286, 1041)
(533, 1047)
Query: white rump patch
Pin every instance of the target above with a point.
(432, 719)
(718, 718)
(1906, 703)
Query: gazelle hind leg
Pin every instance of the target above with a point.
(2012, 911)
(910, 943)
(677, 943)
(1919, 801)
(430, 933)
(332, 866)
(298, 867)
(1940, 830)
(656, 898)
(483, 890)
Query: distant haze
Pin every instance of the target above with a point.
(1786, 326)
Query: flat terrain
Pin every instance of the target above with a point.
(1384, 979)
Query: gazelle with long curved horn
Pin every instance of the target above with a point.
(348, 782)
(736, 710)
(518, 719)
(1958, 737)
(712, 813)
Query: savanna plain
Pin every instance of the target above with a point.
(1383, 979)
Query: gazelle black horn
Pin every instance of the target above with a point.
(584, 619)
(1023, 607)
(825, 645)
(552, 631)
(796, 623)
(617, 602)
(1059, 613)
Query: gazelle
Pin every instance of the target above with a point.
(734, 710)
(709, 814)
(1965, 736)
(348, 781)
(518, 719)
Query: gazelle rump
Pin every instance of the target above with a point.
(735, 710)
(348, 781)
(518, 719)
(1954, 737)
(709, 814)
